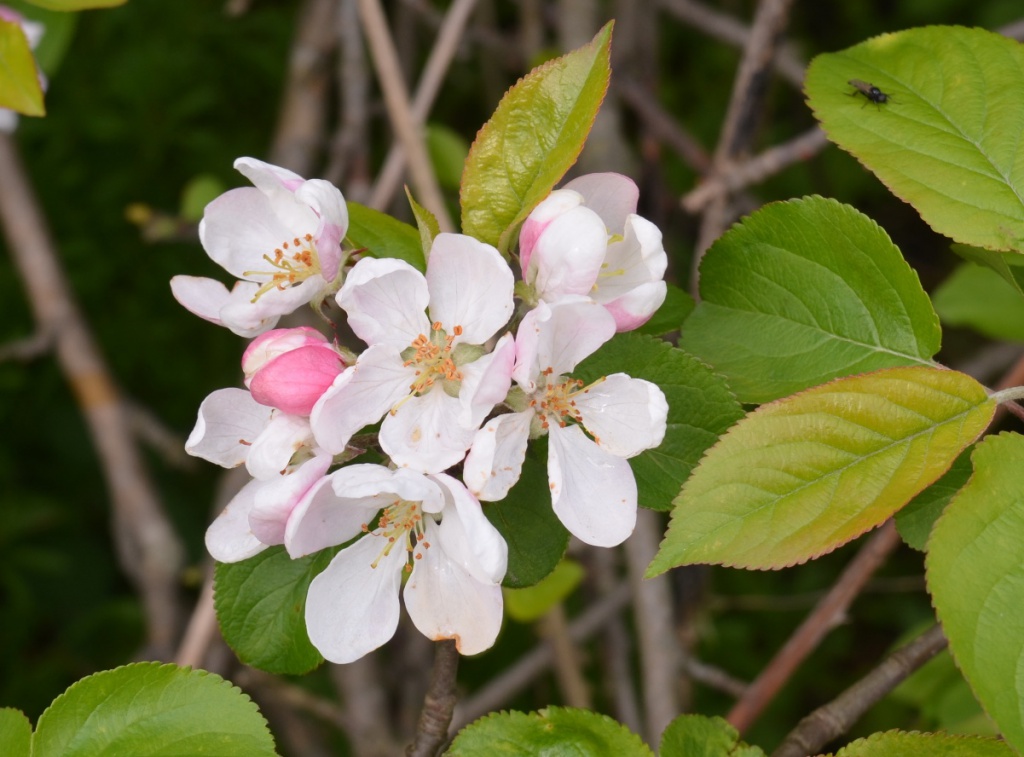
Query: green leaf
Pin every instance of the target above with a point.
(700, 409)
(975, 572)
(426, 223)
(699, 736)
(901, 744)
(1009, 265)
(15, 733)
(59, 31)
(670, 316)
(197, 194)
(448, 151)
(947, 141)
(383, 236)
(76, 5)
(261, 605)
(801, 476)
(804, 291)
(536, 538)
(551, 731)
(983, 300)
(19, 81)
(534, 136)
(155, 710)
(915, 521)
(529, 604)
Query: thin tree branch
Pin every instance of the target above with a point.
(716, 678)
(201, 629)
(828, 613)
(349, 159)
(439, 704)
(396, 98)
(148, 548)
(836, 717)
(365, 707)
(661, 124)
(555, 630)
(28, 348)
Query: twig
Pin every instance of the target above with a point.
(436, 68)
(836, 717)
(661, 124)
(554, 629)
(292, 695)
(364, 707)
(28, 348)
(1013, 30)
(727, 29)
(828, 613)
(201, 628)
(396, 98)
(1013, 377)
(438, 705)
(148, 549)
(349, 158)
(714, 677)
(151, 430)
(770, 162)
(536, 661)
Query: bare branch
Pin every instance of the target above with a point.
(555, 630)
(29, 348)
(436, 716)
(364, 707)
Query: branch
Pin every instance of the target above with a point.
(836, 717)
(439, 704)
(661, 124)
(828, 613)
(571, 682)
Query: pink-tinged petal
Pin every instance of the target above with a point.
(274, 502)
(229, 538)
(495, 461)
(209, 299)
(631, 284)
(593, 492)
(360, 396)
(423, 433)
(568, 255)
(485, 382)
(611, 195)
(332, 512)
(273, 449)
(446, 602)
(635, 308)
(266, 177)
(470, 286)
(229, 421)
(352, 607)
(468, 538)
(555, 338)
(273, 303)
(266, 347)
(329, 204)
(386, 300)
(624, 415)
(549, 209)
(293, 382)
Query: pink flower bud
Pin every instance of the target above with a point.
(290, 368)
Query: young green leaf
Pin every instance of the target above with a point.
(975, 572)
(1009, 265)
(15, 733)
(700, 409)
(551, 731)
(534, 136)
(805, 291)
(915, 521)
(261, 604)
(529, 604)
(383, 236)
(699, 736)
(426, 223)
(983, 300)
(151, 709)
(19, 82)
(447, 150)
(947, 139)
(801, 476)
(900, 744)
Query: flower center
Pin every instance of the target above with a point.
(432, 358)
(557, 403)
(292, 263)
(400, 523)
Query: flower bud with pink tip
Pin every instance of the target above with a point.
(291, 368)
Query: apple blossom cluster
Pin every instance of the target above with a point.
(452, 371)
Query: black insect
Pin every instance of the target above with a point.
(870, 91)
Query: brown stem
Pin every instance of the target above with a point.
(836, 717)
(439, 704)
(822, 619)
(554, 628)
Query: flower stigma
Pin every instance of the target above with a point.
(400, 523)
(558, 403)
(294, 262)
(433, 360)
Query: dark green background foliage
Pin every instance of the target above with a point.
(151, 95)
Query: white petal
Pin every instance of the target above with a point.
(211, 301)
(359, 396)
(327, 201)
(539, 219)
(558, 337)
(352, 608)
(611, 195)
(624, 415)
(386, 300)
(273, 503)
(470, 286)
(229, 420)
(468, 538)
(593, 492)
(495, 461)
(485, 382)
(273, 449)
(568, 255)
(268, 177)
(423, 433)
(229, 538)
(445, 602)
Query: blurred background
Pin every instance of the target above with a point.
(148, 106)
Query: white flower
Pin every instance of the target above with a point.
(431, 528)
(281, 238)
(593, 491)
(586, 239)
(431, 378)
